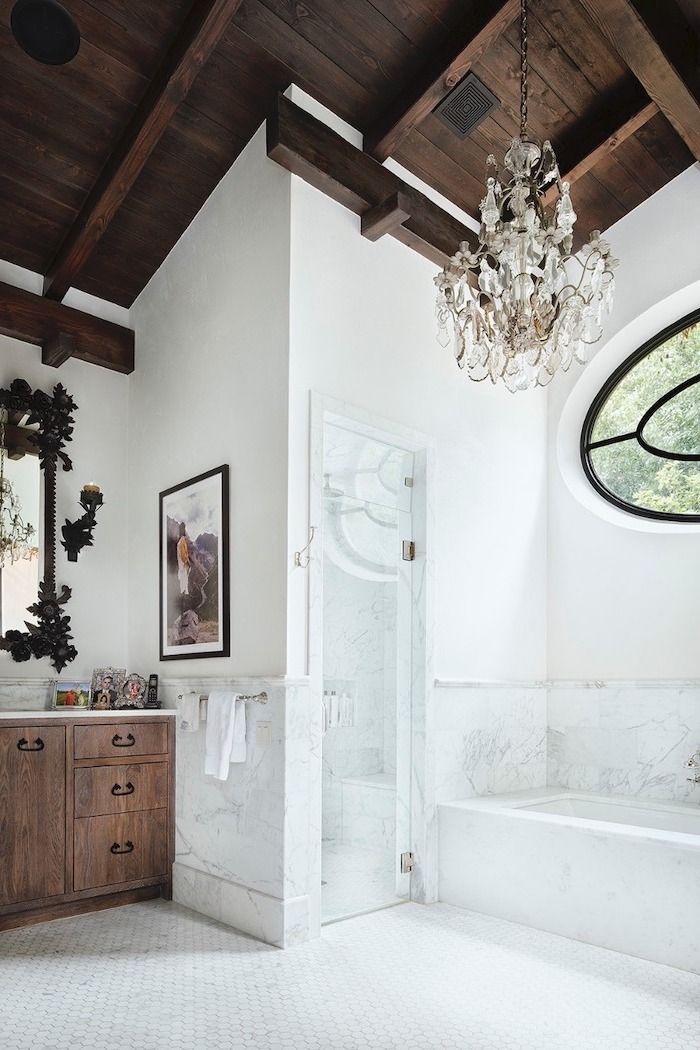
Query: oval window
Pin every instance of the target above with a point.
(640, 445)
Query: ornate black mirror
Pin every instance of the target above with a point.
(37, 424)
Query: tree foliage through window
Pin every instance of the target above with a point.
(630, 460)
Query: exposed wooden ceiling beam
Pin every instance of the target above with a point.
(310, 149)
(593, 144)
(200, 33)
(466, 45)
(656, 43)
(38, 320)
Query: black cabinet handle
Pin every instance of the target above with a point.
(116, 848)
(116, 740)
(128, 790)
(24, 745)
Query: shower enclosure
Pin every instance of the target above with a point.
(366, 780)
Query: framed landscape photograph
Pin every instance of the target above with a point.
(194, 568)
(71, 695)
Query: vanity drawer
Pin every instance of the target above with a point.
(120, 789)
(114, 849)
(120, 740)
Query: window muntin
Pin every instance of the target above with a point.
(640, 445)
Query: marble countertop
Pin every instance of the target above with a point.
(81, 712)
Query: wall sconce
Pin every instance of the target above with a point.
(78, 534)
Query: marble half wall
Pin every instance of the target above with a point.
(242, 845)
(19, 693)
(488, 738)
(624, 738)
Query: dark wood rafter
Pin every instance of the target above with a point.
(308, 148)
(35, 319)
(579, 157)
(488, 20)
(660, 48)
(201, 32)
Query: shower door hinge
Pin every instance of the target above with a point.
(406, 863)
(408, 550)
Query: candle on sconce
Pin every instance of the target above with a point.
(91, 487)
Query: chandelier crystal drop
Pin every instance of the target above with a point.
(15, 536)
(522, 305)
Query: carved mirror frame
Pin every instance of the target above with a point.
(51, 635)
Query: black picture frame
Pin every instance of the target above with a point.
(170, 570)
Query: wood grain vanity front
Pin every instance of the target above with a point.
(124, 848)
(120, 741)
(120, 789)
(86, 813)
(32, 812)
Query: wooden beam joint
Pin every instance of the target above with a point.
(653, 39)
(385, 217)
(310, 149)
(58, 349)
(56, 328)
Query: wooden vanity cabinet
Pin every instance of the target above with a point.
(86, 814)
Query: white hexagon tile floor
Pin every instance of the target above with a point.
(154, 976)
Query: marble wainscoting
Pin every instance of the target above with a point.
(243, 845)
(624, 738)
(18, 693)
(488, 738)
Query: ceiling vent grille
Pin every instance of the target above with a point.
(466, 106)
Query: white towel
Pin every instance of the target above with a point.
(225, 736)
(238, 748)
(188, 711)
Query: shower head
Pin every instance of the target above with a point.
(328, 491)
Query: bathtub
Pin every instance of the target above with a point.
(616, 872)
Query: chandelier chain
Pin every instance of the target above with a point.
(523, 69)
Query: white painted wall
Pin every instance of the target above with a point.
(98, 607)
(624, 603)
(210, 387)
(363, 331)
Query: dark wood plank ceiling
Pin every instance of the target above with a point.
(60, 125)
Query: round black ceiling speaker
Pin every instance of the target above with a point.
(45, 30)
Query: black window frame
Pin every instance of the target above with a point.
(587, 445)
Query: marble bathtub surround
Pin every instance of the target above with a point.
(488, 739)
(620, 874)
(617, 738)
(624, 738)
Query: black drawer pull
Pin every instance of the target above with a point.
(116, 740)
(24, 745)
(116, 848)
(128, 790)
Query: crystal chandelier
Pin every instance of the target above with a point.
(522, 305)
(14, 534)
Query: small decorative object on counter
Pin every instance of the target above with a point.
(107, 688)
(152, 700)
(72, 695)
(78, 534)
(133, 692)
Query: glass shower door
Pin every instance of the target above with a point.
(366, 675)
